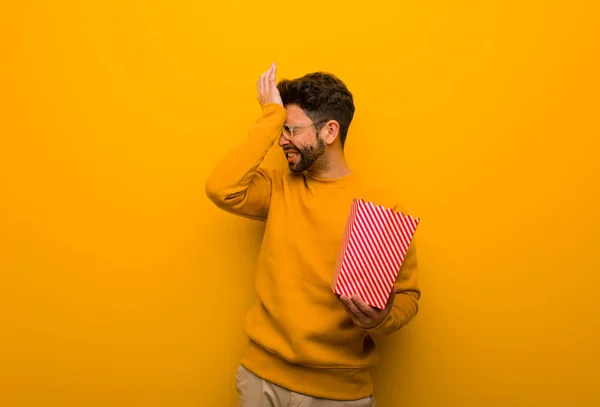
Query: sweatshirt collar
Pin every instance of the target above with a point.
(332, 181)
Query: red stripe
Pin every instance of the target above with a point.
(393, 238)
(393, 270)
(374, 289)
(370, 287)
(375, 246)
(410, 225)
(388, 275)
(365, 244)
(348, 282)
(342, 284)
(367, 235)
(403, 238)
(360, 255)
(409, 228)
(398, 240)
(386, 239)
(375, 230)
(338, 283)
(359, 283)
(393, 265)
(405, 230)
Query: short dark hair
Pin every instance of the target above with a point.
(322, 96)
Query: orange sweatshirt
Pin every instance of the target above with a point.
(300, 336)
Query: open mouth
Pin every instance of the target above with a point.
(292, 156)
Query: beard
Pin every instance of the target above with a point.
(308, 156)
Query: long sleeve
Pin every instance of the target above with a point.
(238, 183)
(406, 303)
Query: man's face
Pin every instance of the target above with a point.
(305, 146)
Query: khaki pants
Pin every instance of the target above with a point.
(256, 392)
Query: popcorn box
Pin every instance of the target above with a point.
(373, 248)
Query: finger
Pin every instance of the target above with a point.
(355, 319)
(273, 74)
(347, 303)
(265, 80)
(364, 307)
(261, 84)
(269, 78)
(353, 308)
(348, 310)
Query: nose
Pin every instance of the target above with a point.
(283, 141)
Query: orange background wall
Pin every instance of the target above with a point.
(121, 285)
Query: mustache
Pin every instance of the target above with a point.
(291, 150)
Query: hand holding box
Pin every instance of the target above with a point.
(373, 249)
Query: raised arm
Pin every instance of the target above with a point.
(238, 183)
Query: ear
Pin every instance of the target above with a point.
(330, 131)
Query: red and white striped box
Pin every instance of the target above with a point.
(374, 246)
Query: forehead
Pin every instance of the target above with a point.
(296, 115)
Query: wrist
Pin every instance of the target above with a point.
(272, 106)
